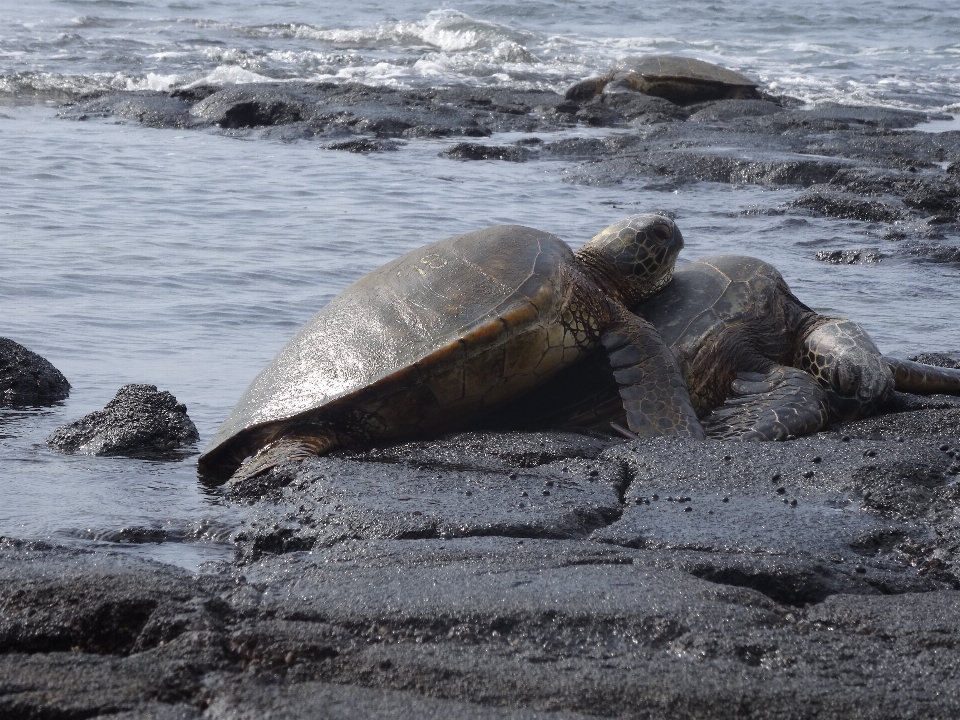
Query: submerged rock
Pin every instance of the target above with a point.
(849, 257)
(934, 253)
(28, 379)
(840, 205)
(473, 151)
(938, 359)
(365, 145)
(139, 421)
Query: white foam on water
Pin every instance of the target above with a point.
(152, 81)
(230, 75)
(24, 86)
(810, 55)
(453, 31)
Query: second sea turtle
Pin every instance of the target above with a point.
(758, 363)
(680, 80)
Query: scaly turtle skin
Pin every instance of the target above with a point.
(758, 363)
(437, 338)
(681, 80)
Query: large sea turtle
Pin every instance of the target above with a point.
(681, 80)
(434, 339)
(758, 363)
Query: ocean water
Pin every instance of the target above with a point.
(186, 259)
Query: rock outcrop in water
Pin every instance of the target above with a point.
(530, 575)
(28, 379)
(866, 164)
(140, 421)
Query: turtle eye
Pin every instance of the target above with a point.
(663, 232)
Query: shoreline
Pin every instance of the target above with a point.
(658, 578)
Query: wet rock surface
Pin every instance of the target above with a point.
(140, 421)
(28, 379)
(329, 110)
(530, 575)
(365, 145)
(850, 257)
(472, 151)
(514, 485)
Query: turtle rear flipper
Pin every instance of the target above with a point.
(654, 395)
(782, 403)
(921, 379)
(296, 446)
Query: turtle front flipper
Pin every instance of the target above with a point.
(298, 445)
(921, 379)
(654, 395)
(782, 404)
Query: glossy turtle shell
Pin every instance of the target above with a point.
(681, 80)
(422, 344)
(672, 67)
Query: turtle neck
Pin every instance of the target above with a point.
(605, 274)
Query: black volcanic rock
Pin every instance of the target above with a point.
(859, 163)
(849, 257)
(139, 421)
(365, 145)
(938, 359)
(242, 107)
(843, 206)
(529, 575)
(28, 379)
(474, 151)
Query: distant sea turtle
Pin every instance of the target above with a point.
(447, 332)
(758, 363)
(681, 80)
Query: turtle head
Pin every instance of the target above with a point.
(634, 258)
(846, 363)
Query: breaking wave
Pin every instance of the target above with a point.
(445, 47)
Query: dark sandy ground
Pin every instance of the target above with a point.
(530, 575)
(536, 575)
